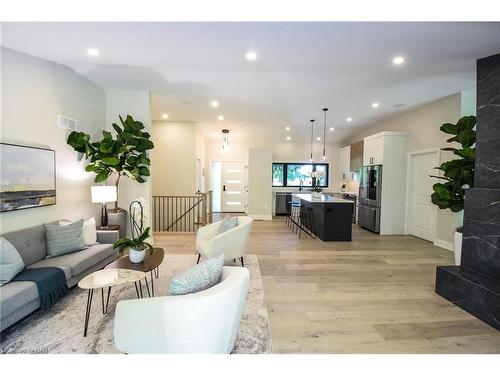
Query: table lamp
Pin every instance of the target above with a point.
(103, 194)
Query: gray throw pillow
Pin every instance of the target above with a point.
(200, 277)
(11, 262)
(63, 239)
(228, 223)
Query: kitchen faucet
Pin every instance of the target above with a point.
(301, 183)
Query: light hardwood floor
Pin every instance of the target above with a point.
(372, 295)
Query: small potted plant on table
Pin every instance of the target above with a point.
(136, 246)
(316, 191)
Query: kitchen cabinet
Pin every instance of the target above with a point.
(373, 149)
(345, 163)
(389, 149)
(356, 159)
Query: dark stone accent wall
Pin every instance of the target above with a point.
(481, 237)
(475, 284)
(487, 173)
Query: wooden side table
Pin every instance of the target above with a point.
(109, 227)
(150, 264)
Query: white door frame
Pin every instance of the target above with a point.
(245, 195)
(409, 176)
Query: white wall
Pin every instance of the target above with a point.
(34, 92)
(136, 104)
(423, 125)
(259, 183)
(174, 158)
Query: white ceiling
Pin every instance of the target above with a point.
(301, 68)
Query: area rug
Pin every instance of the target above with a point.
(60, 329)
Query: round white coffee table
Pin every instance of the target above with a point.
(108, 278)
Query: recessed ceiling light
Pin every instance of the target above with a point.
(220, 117)
(93, 52)
(251, 56)
(398, 60)
(287, 128)
(375, 105)
(288, 138)
(318, 138)
(332, 129)
(349, 119)
(164, 116)
(214, 103)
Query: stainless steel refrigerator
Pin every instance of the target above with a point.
(370, 197)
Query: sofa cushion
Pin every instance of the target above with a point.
(200, 277)
(30, 243)
(15, 295)
(80, 261)
(64, 239)
(11, 262)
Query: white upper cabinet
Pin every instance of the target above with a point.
(373, 149)
(345, 163)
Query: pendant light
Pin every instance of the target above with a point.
(225, 140)
(324, 135)
(312, 133)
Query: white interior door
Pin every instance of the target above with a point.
(233, 186)
(422, 211)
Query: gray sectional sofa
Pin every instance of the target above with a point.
(20, 298)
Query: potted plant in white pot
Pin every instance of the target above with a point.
(316, 190)
(458, 174)
(136, 246)
(124, 156)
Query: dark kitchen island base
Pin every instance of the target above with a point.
(332, 217)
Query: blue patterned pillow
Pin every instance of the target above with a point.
(200, 277)
(228, 223)
(64, 239)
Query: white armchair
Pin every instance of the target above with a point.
(203, 322)
(232, 243)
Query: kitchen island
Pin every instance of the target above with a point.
(332, 216)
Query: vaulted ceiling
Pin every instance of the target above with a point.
(300, 68)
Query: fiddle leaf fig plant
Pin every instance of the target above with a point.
(458, 174)
(125, 155)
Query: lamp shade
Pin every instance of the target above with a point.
(103, 194)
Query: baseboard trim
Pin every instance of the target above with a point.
(444, 244)
(261, 217)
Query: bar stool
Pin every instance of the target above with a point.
(306, 222)
(293, 219)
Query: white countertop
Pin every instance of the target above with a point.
(324, 199)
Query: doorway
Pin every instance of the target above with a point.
(421, 219)
(228, 184)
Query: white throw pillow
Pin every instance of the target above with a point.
(89, 231)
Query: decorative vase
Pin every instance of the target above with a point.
(136, 256)
(457, 245)
(118, 218)
(457, 238)
(316, 196)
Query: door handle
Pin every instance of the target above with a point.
(223, 187)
